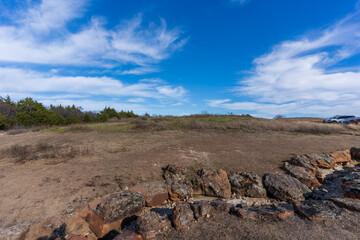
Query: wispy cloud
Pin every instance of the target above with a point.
(304, 76)
(240, 2)
(40, 35)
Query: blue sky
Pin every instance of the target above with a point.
(259, 57)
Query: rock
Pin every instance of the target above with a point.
(214, 183)
(219, 205)
(155, 192)
(247, 184)
(352, 191)
(128, 235)
(348, 203)
(59, 227)
(110, 213)
(303, 175)
(201, 209)
(178, 185)
(355, 153)
(324, 160)
(304, 161)
(152, 223)
(318, 210)
(342, 156)
(284, 187)
(265, 211)
(322, 173)
(17, 232)
(182, 215)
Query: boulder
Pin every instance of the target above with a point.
(302, 174)
(179, 186)
(152, 223)
(324, 160)
(342, 156)
(128, 235)
(247, 184)
(59, 227)
(155, 192)
(182, 215)
(284, 187)
(109, 214)
(355, 153)
(201, 209)
(304, 161)
(318, 210)
(352, 191)
(214, 183)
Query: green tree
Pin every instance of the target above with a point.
(3, 122)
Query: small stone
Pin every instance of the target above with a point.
(201, 209)
(318, 210)
(152, 223)
(207, 215)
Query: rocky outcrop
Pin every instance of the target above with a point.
(152, 223)
(155, 192)
(318, 210)
(182, 215)
(304, 175)
(109, 214)
(214, 183)
(247, 184)
(355, 153)
(285, 188)
(179, 186)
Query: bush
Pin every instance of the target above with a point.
(3, 122)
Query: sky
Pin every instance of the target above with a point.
(179, 57)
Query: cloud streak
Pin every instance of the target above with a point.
(304, 76)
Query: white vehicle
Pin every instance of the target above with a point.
(338, 119)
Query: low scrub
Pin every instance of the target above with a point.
(27, 153)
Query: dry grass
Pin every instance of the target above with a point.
(27, 153)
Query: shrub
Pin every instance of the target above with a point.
(3, 122)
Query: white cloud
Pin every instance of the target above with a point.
(178, 92)
(303, 76)
(40, 35)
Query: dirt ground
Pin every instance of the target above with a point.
(108, 162)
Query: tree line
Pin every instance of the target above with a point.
(29, 113)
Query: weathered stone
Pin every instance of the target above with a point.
(17, 232)
(348, 203)
(318, 210)
(201, 209)
(155, 192)
(352, 191)
(214, 183)
(284, 187)
(128, 235)
(59, 227)
(324, 160)
(342, 156)
(355, 153)
(247, 184)
(182, 215)
(152, 223)
(110, 213)
(178, 185)
(302, 174)
(322, 173)
(265, 211)
(304, 161)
